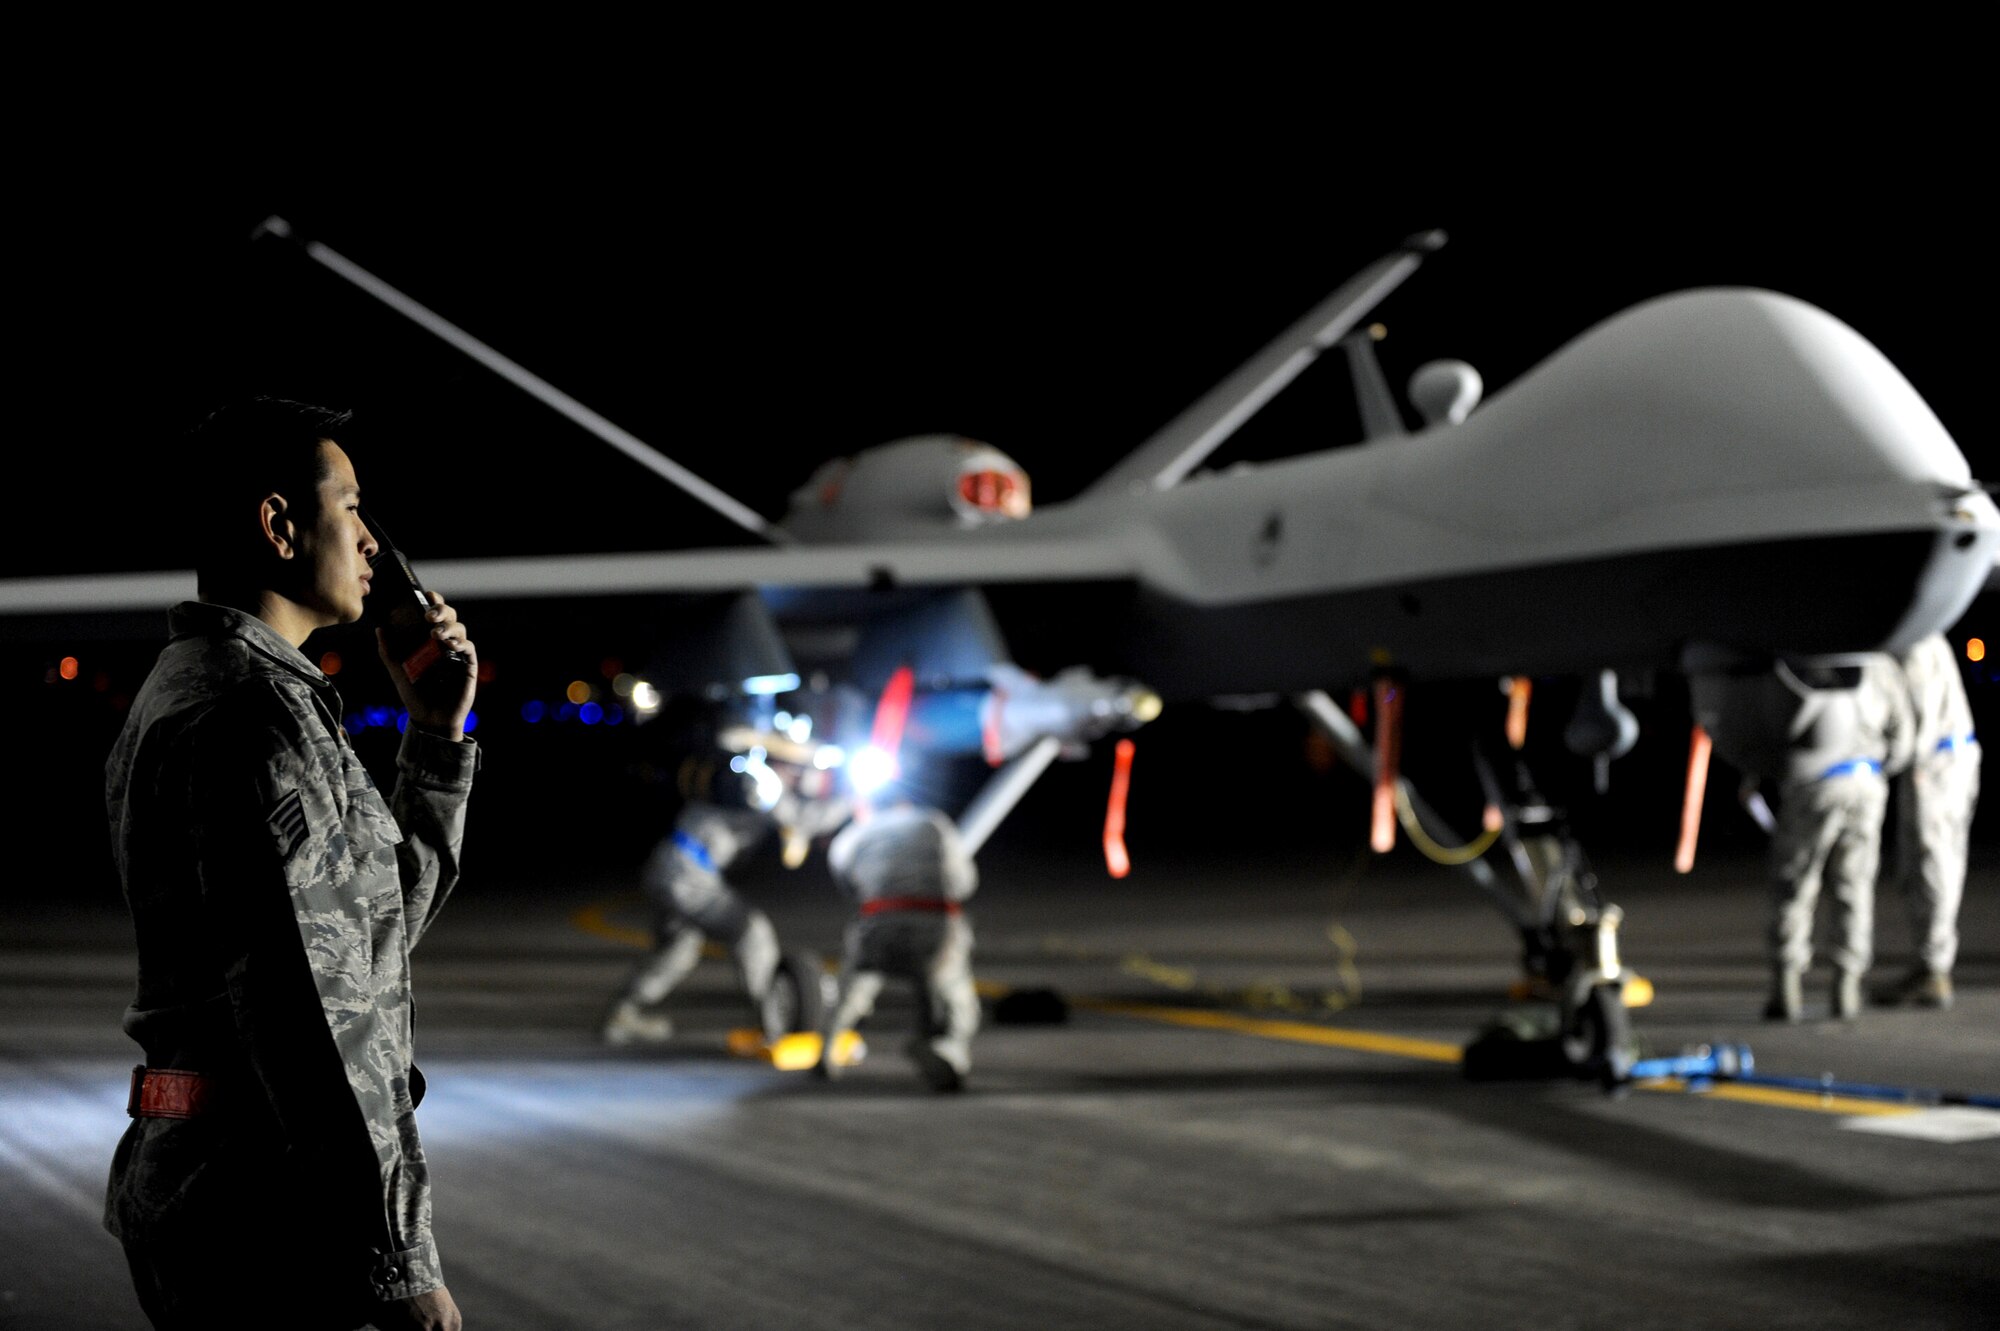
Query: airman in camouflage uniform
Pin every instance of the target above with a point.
(685, 881)
(907, 871)
(272, 1174)
(692, 901)
(1933, 805)
(1830, 740)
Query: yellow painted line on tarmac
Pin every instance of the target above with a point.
(1436, 1052)
(1780, 1098)
(1298, 1032)
(1265, 996)
(595, 920)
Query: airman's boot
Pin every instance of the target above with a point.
(939, 1073)
(631, 1024)
(1934, 991)
(1787, 996)
(1920, 986)
(1847, 995)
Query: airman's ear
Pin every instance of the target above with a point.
(277, 527)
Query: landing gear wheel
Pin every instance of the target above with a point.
(1596, 1038)
(797, 999)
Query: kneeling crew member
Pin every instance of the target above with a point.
(907, 871)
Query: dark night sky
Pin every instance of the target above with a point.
(754, 295)
(758, 281)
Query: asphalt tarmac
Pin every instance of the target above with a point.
(1252, 1116)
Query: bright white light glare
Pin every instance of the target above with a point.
(770, 788)
(739, 764)
(645, 697)
(782, 720)
(761, 684)
(829, 755)
(870, 769)
(800, 728)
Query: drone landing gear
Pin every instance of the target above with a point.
(1596, 1034)
(1569, 956)
(1569, 936)
(1584, 1033)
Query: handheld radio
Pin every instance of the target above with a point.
(399, 606)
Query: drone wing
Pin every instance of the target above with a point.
(930, 563)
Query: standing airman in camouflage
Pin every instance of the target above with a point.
(1831, 739)
(272, 1174)
(1933, 804)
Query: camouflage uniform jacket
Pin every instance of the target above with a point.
(904, 851)
(275, 896)
(1796, 729)
(1937, 692)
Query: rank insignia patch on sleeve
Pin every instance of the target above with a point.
(288, 820)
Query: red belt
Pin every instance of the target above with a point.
(935, 905)
(169, 1093)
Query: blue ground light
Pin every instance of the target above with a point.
(535, 711)
(378, 718)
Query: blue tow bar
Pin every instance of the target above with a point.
(1703, 1065)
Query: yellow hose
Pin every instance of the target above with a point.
(1421, 839)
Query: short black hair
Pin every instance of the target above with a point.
(243, 451)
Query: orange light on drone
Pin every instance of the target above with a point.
(995, 491)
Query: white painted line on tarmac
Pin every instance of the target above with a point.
(1947, 1123)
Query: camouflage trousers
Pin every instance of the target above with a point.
(933, 952)
(1829, 834)
(746, 931)
(1934, 802)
